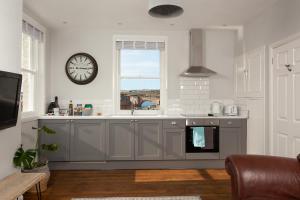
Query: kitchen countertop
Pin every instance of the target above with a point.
(143, 117)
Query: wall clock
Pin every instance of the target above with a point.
(81, 68)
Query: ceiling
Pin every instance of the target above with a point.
(133, 14)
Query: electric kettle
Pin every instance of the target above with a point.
(216, 108)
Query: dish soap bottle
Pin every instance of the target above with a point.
(71, 108)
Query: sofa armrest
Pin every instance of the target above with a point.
(263, 177)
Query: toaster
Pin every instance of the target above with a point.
(231, 110)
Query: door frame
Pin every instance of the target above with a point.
(272, 47)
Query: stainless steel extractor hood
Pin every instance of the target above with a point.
(197, 53)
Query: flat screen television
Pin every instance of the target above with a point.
(10, 89)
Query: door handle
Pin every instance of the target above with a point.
(289, 67)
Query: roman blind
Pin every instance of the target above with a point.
(140, 45)
(32, 31)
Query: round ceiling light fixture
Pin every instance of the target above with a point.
(165, 8)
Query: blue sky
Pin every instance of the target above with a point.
(140, 63)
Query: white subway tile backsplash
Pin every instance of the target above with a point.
(194, 95)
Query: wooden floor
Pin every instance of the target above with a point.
(209, 184)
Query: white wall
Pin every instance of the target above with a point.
(29, 135)
(220, 53)
(10, 60)
(276, 23)
(98, 43)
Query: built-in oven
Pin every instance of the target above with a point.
(202, 139)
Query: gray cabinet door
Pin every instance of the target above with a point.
(120, 140)
(61, 138)
(148, 142)
(230, 142)
(174, 144)
(88, 140)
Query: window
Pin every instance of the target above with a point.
(31, 45)
(140, 72)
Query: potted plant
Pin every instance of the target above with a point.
(30, 160)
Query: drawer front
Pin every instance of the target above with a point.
(214, 122)
(203, 122)
(236, 123)
(174, 123)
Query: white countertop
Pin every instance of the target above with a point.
(142, 117)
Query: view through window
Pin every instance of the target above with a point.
(28, 69)
(140, 79)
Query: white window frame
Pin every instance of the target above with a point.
(117, 76)
(39, 75)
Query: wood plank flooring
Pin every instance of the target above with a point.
(210, 184)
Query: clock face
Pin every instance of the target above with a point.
(81, 68)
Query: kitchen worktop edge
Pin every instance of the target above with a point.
(138, 117)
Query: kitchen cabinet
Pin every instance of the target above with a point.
(174, 144)
(233, 134)
(255, 73)
(148, 140)
(250, 74)
(93, 140)
(87, 140)
(230, 142)
(240, 77)
(174, 139)
(120, 140)
(61, 138)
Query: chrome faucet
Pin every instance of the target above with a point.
(132, 110)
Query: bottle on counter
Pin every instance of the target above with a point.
(71, 108)
(53, 105)
(56, 102)
(79, 109)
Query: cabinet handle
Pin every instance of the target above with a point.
(246, 74)
(229, 123)
(211, 123)
(193, 123)
(136, 120)
(173, 123)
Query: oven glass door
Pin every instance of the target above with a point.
(202, 139)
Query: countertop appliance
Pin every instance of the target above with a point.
(197, 67)
(202, 138)
(216, 108)
(231, 110)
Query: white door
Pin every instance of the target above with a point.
(240, 77)
(255, 73)
(286, 100)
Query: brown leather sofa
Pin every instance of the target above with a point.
(256, 177)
